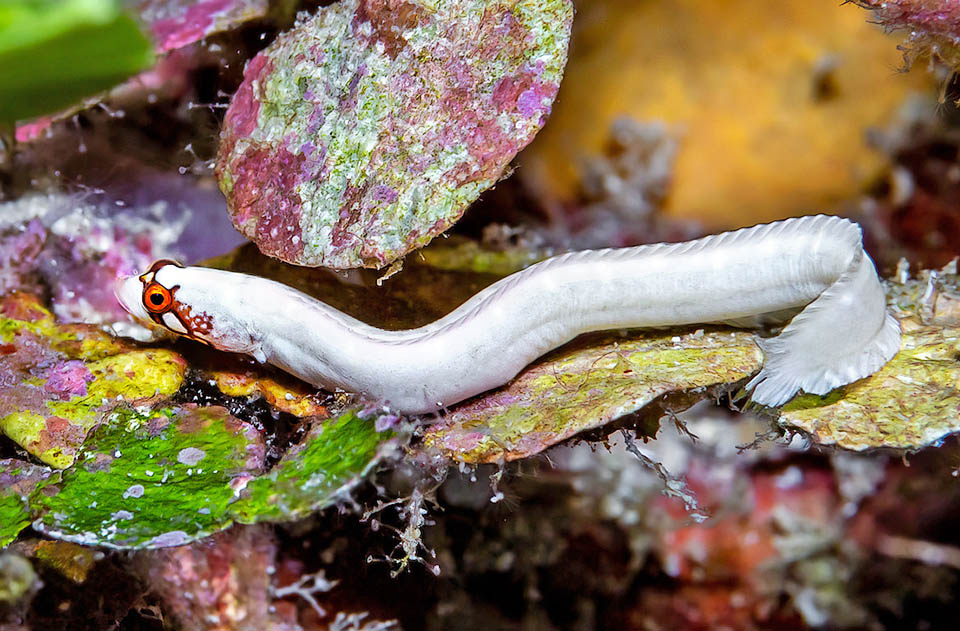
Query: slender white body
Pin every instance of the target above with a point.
(814, 265)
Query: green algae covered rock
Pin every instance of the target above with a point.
(369, 128)
(179, 474)
(59, 381)
(138, 470)
(154, 479)
(18, 480)
(913, 401)
(587, 384)
(334, 456)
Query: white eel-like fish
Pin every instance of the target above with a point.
(813, 268)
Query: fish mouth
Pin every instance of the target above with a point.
(129, 293)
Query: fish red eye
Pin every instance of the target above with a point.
(156, 298)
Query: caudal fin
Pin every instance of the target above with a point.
(844, 335)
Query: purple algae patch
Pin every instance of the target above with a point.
(68, 379)
(20, 477)
(371, 126)
(384, 194)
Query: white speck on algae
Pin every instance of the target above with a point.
(190, 456)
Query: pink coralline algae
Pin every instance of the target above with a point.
(176, 23)
(369, 128)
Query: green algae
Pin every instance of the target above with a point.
(13, 517)
(334, 456)
(18, 479)
(176, 475)
(154, 479)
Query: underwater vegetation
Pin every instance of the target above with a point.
(392, 158)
